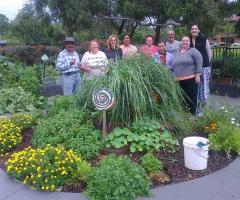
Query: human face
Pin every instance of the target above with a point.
(185, 43)
(161, 47)
(126, 40)
(94, 47)
(113, 42)
(70, 46)
(149, 41)
(171, 36)
(195, 30)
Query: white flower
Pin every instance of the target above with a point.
(233, 119)
(222, 107)
(237, 124)
(232, 122)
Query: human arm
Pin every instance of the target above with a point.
(62, 62)
(198, 60)
(84, 63)
(208, 49)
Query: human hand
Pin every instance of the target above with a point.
(72, 62)
(197, 79)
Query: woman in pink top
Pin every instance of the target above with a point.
(149, 48)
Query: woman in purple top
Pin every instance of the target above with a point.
(113, 50)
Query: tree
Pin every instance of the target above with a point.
(4, 24)
(73, 14)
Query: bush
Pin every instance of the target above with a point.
(29, 54)
(135, 84)
(117, 178)
(23, 120)
(10, 135)
(151, 164)
(72, 129)
(14, 75)
(48, 168)
(14, 100)
(61, 103)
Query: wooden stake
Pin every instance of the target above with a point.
(104, 123)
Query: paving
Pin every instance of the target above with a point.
(221, 185)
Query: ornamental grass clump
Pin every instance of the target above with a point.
(117, 178)
(10, 135)
(141, 88)
(48, 168)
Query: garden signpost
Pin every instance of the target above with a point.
(103, 99)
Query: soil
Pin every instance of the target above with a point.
(173, 163)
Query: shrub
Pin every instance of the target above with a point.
(48, 168)
(151, 164)
(61, 103)
(10, 135)
(29, 54)
(23, 120)
(135, 84)
(117, 178)
(72, 129)
(14, 100)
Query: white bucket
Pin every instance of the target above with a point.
(195, 157)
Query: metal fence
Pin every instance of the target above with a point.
(225, 52)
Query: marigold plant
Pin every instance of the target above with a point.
(10, 135)
(48, 168)
(23, 120)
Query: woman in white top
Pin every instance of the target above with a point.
(94, 62)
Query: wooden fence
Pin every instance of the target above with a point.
(225, 52)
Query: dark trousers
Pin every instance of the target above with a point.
(190, 89)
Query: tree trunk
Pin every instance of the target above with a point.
(120, 29)
(157, 35)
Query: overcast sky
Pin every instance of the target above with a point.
(10, 8)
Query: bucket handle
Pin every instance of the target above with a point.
(206, 157)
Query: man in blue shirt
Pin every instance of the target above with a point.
(68, 64)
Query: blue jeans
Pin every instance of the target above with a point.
(70, 83)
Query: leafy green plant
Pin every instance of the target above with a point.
(151, 136)
(136, 83)
(16, 100)
(151, 164)
(48, 168)
(117, 178)
(72, 129)
(23, 120)
(61, 103)
(119, 137)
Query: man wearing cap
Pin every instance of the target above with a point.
(68, 64)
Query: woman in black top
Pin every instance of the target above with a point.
(201, 43)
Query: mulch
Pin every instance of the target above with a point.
(173, 163)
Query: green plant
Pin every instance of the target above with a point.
(136, 83)
(72, 129)
(10, 135)
(16, 100)
(23, 120)
(151, 164)
(48, 168)
(117, 178)
(119, 137)
(149, 135)
(61, 102)
(225, 138)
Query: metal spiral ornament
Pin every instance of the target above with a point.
(103, 99)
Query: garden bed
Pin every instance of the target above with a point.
(173, 163)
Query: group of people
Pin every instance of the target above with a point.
(188, 59)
